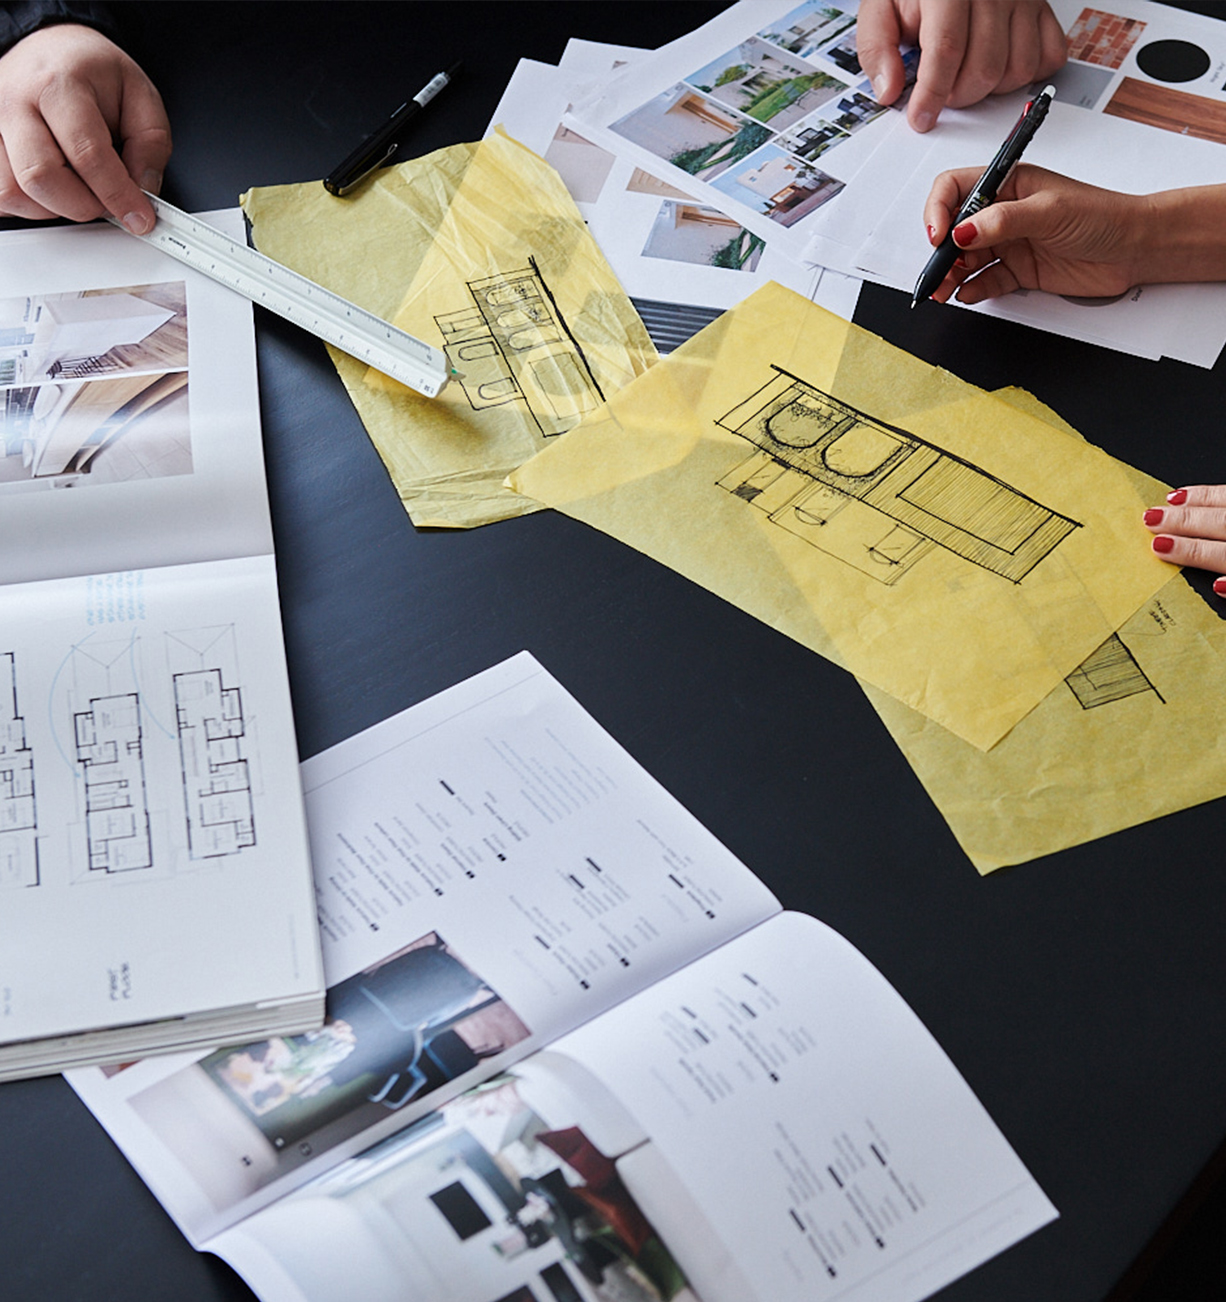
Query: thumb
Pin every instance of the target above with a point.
(878, 36)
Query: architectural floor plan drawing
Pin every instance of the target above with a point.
(216, 782)
(513, 344)
(876, 496)
(108, 739)
(18, 810)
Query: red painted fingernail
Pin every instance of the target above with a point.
(1154, 516)
(1178, 497)
(932, 234)
(965, 233)
(1219, 586)
(959, 261)
(1163, 544)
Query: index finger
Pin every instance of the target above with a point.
(947, 195)
(145, 132)
(76, 122)
(878, 36)
(40, 170)
(944, 31)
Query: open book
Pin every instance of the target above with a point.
(574, 1050)
(155, 885)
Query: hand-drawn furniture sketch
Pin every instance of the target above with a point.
(18, 810)
(513, 345)
(1111, 673)
(876, 496)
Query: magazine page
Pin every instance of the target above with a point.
(771, 1124)
(130, 380)
(523, 1188)
(153, 849)
(492, 869)
(763, 113)
(826, 1137)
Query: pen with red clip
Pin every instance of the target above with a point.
(984, 192)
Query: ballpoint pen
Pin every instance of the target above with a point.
(984, 192)
(379, 149)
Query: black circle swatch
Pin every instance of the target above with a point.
(1172, 61)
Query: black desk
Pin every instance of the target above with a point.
(1083, 995)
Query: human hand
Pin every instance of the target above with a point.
(1191, 530)
(66, 94)
(968, 50)
(1045, 231)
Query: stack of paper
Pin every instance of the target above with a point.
(764, 116)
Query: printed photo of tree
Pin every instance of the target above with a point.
(765, 84)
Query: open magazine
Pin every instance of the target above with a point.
(574, 1050)
(155, 885)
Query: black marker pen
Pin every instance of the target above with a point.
(378, 150)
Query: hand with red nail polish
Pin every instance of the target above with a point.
(1046, 231)
(1193, 529)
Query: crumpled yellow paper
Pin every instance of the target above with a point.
(1137, 731)
(960, 554)
(478, 249)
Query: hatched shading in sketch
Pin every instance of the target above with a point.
(513, 346)
(1110, 673)
(876, 496)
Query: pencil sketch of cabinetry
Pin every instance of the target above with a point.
(876, 496)
(513, 345)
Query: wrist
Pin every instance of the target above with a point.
(1180, 235)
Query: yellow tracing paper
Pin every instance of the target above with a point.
(480, 250)
(1137, 731)
(941, 544)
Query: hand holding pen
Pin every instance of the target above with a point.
(983, 193)
(1052, 233)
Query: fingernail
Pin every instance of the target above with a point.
(136, 223)
(959, 261)
(1163, 544)
(151, 180)
(1178, 497)
(932, 234)
(1154, 516)
(878, 88)
(1219, 586)
(965, 234)
(924, 121)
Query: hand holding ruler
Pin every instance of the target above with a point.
(350, 328)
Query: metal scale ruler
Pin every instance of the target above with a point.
(350, 328)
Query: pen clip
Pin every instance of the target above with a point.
(373, 167)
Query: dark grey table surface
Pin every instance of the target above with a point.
(1082, 995)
